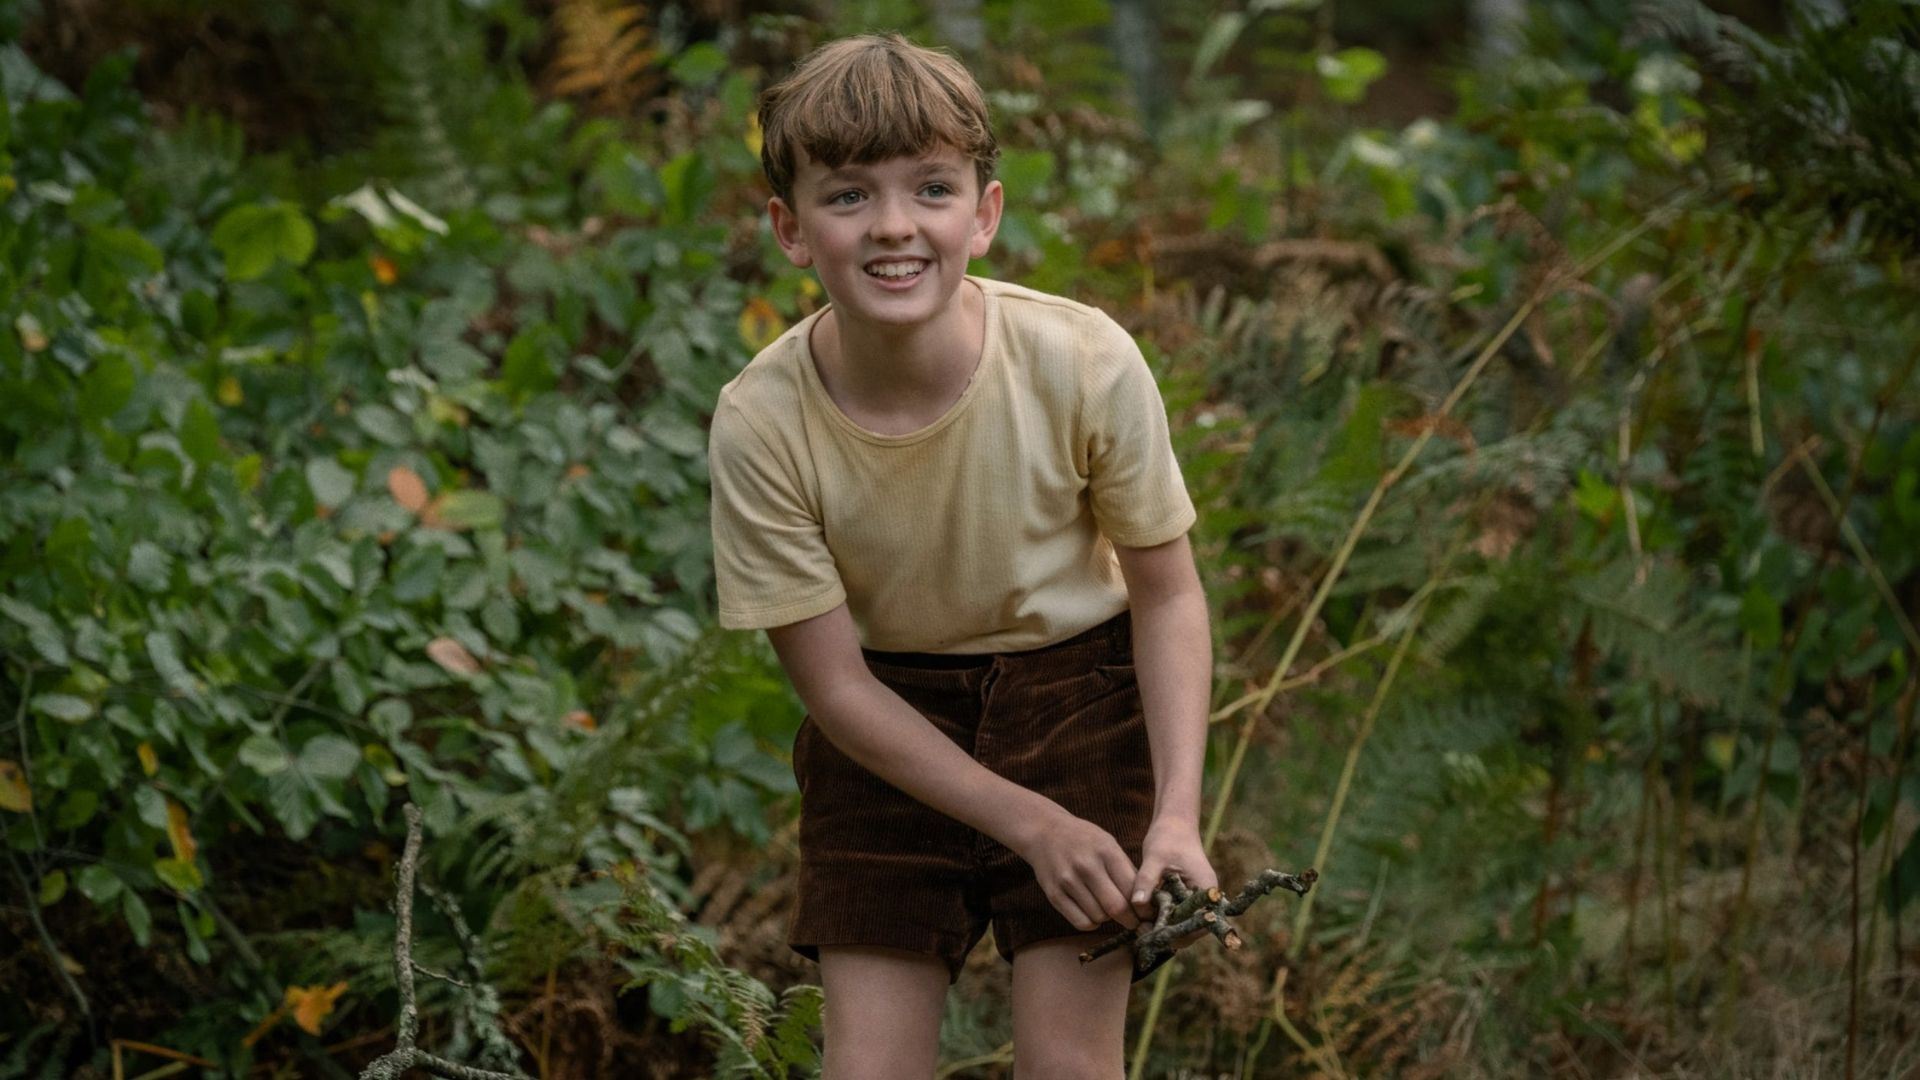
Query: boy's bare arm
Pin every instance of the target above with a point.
(1083, 870)
(1173, 658)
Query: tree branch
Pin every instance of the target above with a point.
(405, 1055)
(1179, 912)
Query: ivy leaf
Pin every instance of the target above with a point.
(97, 883)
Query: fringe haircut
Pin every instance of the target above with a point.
(869, 98)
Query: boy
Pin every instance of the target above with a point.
(952, 504)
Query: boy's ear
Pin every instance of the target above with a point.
(786, 231)
(986, 219)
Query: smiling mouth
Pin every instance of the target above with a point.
(896, 270)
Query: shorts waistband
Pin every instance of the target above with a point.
(1116, 632)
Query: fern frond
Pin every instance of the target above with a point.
(603, 54)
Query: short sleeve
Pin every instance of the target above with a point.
(1139, 498)
(770, 558)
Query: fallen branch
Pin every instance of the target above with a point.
(1179, 911)
(405, 1055)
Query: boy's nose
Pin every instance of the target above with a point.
(891, 221)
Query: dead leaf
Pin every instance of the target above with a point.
(1444, 426)
(149, 761)
(179, 833)
(580, 720)
(760, 324)
(311, 1004)
(383, 269)
(15, 795)
(407, 488)
(452, 656)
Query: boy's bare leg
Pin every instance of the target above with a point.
(883, 1012)
(1069, 1018)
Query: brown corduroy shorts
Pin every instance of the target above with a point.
(878, 867)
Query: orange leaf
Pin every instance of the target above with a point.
(149, 761)
(311, 1004)
(383, 269)
(14, 793)
(580, 720)
(759, 323)
(453, 656)
(407, 488)
(179, 833)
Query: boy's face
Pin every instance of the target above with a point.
(890, 239)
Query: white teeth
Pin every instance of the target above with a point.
(895, 270)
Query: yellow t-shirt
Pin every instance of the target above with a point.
(989, 530)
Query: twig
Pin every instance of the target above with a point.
(1179, 912)
(405, 1055)
(46, 941)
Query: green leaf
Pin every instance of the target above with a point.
(330, 481)
(472, 510)
(97, 883)
(255, 236)
(125, 250)
(166, 660)
(151, 805)
(383, 424)
(63, 707)
(329, 757)
(200, 433)
(264, 755)
(1347, 74)
(149, 566)
(139, 919)
(107, 388)
(531, 364)
(53, 887)
(42, 632)
(291, 796)
(178, 875)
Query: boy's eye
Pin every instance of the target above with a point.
(939, 190)
(844, 198)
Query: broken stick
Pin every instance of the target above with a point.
(1179, 911)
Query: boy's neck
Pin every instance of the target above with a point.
(910, 374)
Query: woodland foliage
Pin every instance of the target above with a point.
(1559, 471)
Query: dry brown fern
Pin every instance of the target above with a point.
(604, 55)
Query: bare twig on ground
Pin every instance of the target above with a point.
(405, 1055)
(1179, 911)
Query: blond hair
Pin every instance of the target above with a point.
(869, 98)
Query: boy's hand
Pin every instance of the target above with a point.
(1082, 869)
(1171, 844)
